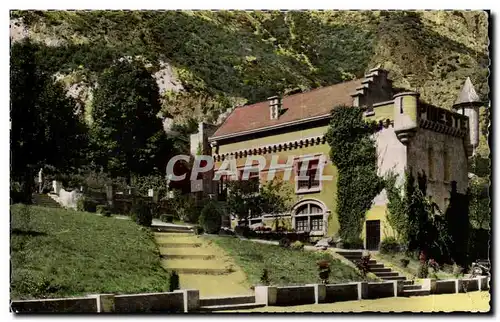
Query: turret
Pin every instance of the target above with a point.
(405, 115)
(468, 104)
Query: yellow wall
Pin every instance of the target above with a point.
(328, 193)
(379, 212)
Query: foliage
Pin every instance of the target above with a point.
(198, 230)
(86, 204)
(264, 278)
(354, 154)
(297, 245)
(45, 129)
(479, 205)
(285, 242)
(155, 181)
(174, 281)
(243, 231)
(167, 218)
(185, 207)
(396, 211)
(363, 265)
(423, 271)
(104, 210)
(324, 270)
(211, 218)
(353, 243)
(50, 259)
(141, 212)
(285, 266)
(404, 262)
(389, 245)
(127, 136)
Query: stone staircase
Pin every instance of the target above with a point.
(201, 265)
(43, 200)
(386, 273)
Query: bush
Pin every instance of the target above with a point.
(404, 262)
(389, 246)
(243, 231)
(86, 204)
(141, 212)
(284, 242)
(423, 270)
(174, 281)
(210, 218)
(297, 245)
(103, 210)
(324, 271)
(167, 218)
(198, 230)
(226, 232)
(264, 278)
(353, 243)
(363, 265)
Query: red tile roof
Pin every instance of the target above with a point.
(299, 106)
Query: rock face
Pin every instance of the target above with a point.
(325, 242)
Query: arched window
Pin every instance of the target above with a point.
(309, 217)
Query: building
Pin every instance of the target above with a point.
(412, 135)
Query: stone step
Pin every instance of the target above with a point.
(345, 254)
(393, 278)
(409, 282)
(175, 245)
(380, 270)
(412, 287)
(168, 229)
(372, 266)
(386, 274)
(416, 292)
(229, 300)
(230, 307)
(187, 256)
(201, 271)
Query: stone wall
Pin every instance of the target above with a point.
(63, 305)
(418, 151)
(155, 302)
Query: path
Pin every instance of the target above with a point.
(201, 264)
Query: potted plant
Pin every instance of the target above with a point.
(324, 270)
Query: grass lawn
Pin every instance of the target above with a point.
(465, 302)
(57, 252)
(285, 266)
(411, 271)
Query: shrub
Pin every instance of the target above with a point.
(167, 218)
(284, 242)
(243, 231)
(297, 245)
(141, 212)
(389, 246)
(198, 230)
(423, 270)
(210, 218)
(433, 264)
(264, 278)
(324, 271)
(174, 281)
(405, 262)
(86, 204)
(353, 243)
(458, 270)
(103, 210)
(226, 232)
(363, 265)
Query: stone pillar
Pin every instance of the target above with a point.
(266, 295)
(105, 303)
(429, 284)
(362, 290)
(57, 185)
(457, 286)
(191, 300)
(319, 293)
(398, 288)
(110, 195)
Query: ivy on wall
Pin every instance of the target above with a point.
(354, 153)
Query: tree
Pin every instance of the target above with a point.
(45, 129)
(126, 132)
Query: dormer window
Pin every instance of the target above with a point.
(274, 107)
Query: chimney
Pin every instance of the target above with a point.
(274, 107)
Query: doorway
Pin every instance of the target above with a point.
(372, 234)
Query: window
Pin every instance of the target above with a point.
(310, 183)
(317, 223)
(309, 217)
(446, 165)
(301, 224)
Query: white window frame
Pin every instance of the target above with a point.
(321, 166)
(324, 214)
